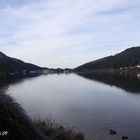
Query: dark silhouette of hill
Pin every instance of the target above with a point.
(128, 58)
(9, 64)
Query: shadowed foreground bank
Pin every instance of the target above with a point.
(15, 122)
(15, 125)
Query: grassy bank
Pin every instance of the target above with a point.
(16, 125)
(14, 120)
(56, 131)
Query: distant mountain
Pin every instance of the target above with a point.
(129, 58)
(13, 65)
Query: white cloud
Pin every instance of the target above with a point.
(66, 33)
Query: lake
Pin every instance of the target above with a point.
(92, 104)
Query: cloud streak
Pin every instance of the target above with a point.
(67, 33)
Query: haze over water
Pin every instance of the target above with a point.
(87, 105)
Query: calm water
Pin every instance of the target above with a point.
(91, 104)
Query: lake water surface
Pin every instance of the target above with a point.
(90, 104)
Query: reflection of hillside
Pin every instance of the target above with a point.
(126, 82)
(5, 81)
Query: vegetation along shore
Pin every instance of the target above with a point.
(16, 125)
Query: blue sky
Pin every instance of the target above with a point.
(67, 33)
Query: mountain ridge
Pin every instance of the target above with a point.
(10, 65)
(127, 58)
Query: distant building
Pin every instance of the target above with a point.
(138, 75)
(45, 71)
(121, 68)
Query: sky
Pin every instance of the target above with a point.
(67, 33)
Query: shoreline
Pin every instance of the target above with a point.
(16, 125)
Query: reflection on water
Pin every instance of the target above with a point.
(130, 83)
(6, 80)
(91, 106)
